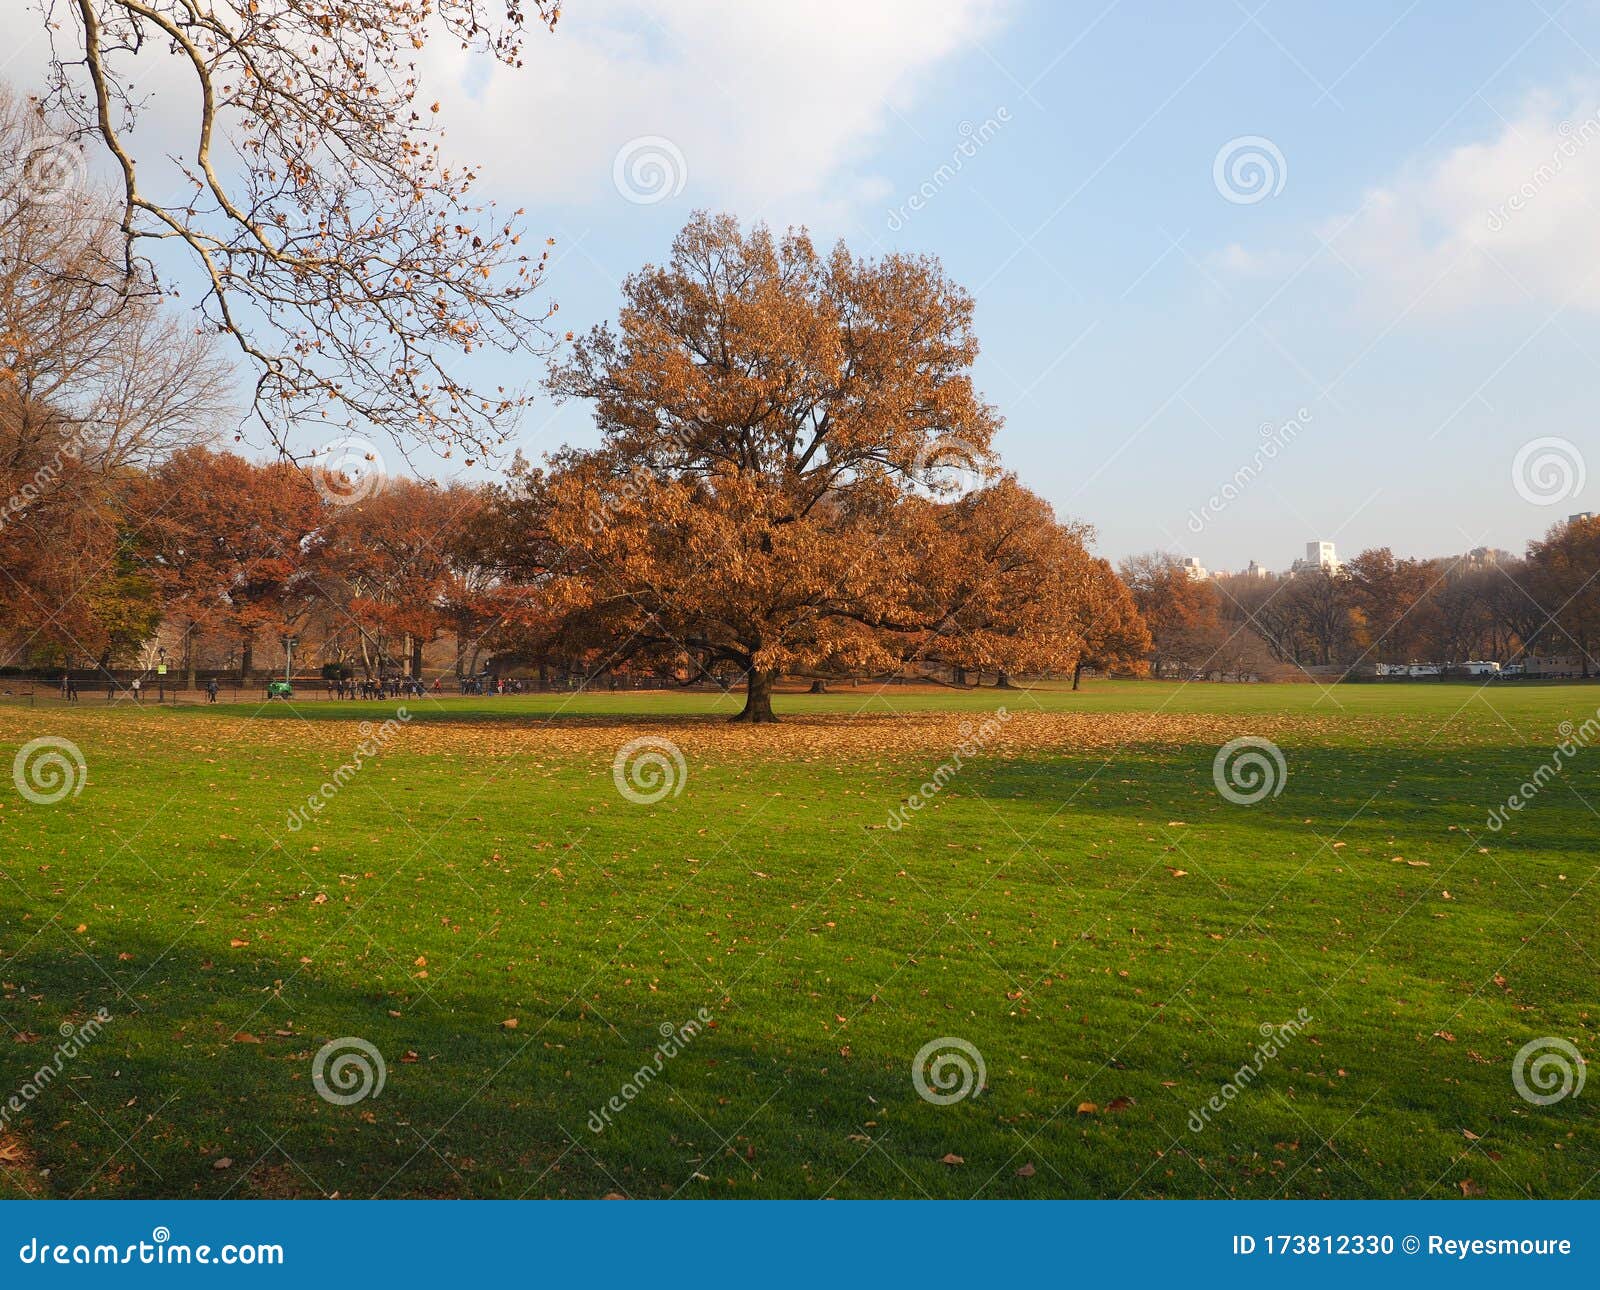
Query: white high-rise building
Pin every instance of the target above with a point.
(1322, 554)
(1319, 555)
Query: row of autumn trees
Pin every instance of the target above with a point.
(1378, 609)
(781, 434)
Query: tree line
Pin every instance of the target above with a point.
(794, 475)
(1378, 609)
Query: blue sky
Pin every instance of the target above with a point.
(1139, 327)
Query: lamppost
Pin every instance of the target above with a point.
(161, 674)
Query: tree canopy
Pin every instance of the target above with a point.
(351, 264)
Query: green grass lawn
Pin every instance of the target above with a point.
(1094, 919)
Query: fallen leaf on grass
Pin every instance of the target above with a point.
(952, 1159)
(1027, 1170)
(510, 1023)
(1088, 1108)
(1469, 1188)
(245, 1037)
(222, 1162)
(237, 944)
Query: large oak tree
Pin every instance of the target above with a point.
(767, 416)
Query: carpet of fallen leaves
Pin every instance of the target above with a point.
(709, 738)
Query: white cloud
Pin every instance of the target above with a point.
(1491, 223)
(1235, 258)
(770, 105)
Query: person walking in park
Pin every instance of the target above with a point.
(136, 685)
(211, 690)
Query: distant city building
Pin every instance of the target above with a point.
(1195, 570)
(1256, 571)
(1580, 515)
(1319, 555)
(1487, 557)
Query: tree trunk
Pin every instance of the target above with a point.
(188, 656)
(1077, 673)
(818, 687)
(416, 658)
(757, 697)
(1002, 681)
(246, 653)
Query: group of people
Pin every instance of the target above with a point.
(492, 685)
(380, 687)
(384, 687)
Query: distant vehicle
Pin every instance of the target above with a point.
(1481, 667)
(1514, 669)
(279, 690)
(1424, 669)
(1393, 669)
